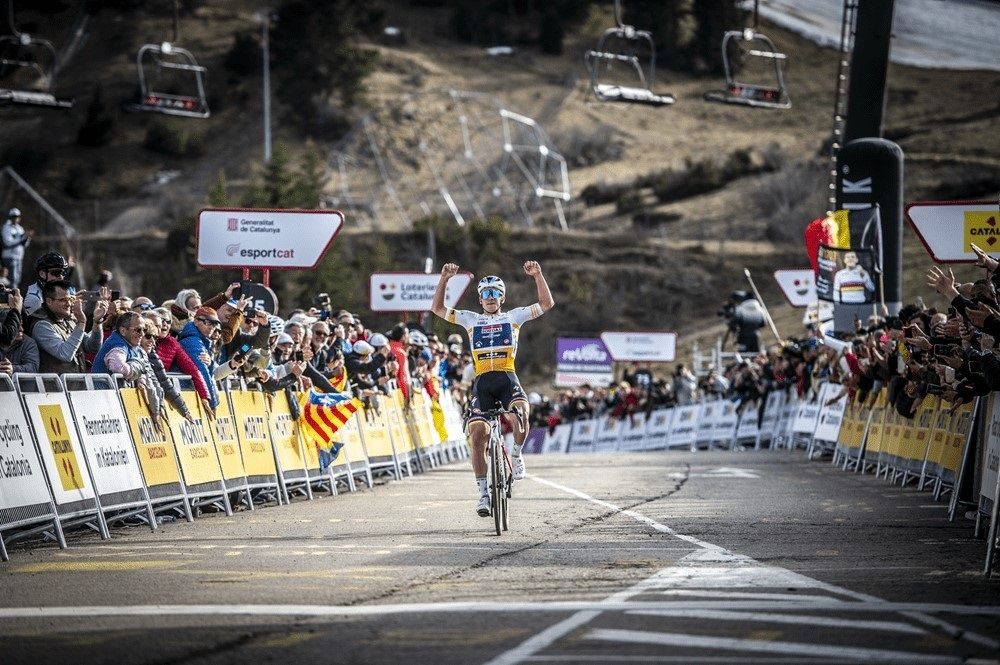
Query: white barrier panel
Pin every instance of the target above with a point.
(104, 435)
(772, 414)
(581, 438)
(59, 448)
(633, 432)
(748, 419)
(706, 421)
(686, 425)
(805, 417)
(991, 462)
(557, 441)
(657, 429)
(830, 415)
(725, 423)
(609, 433)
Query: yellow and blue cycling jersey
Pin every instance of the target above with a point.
(493, 338)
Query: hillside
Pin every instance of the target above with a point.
(629, 262)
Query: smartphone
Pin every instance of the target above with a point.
(299, 357)
(241, 352)
(943, 350)
(116, 295)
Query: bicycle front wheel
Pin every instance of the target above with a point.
(497, 492)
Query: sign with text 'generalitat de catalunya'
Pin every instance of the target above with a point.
(413, 291)
(275, 239)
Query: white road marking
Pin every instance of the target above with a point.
(559, 630)
(839, 652)
(795, 619)
(722, 472)
(796, 597)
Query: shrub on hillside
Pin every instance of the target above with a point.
(789, 199)
(602, 192)
(654, 219)
(587, 146)
(243, 57)
(707, 175)
(629, 202)
(98, 126)
(174, 140)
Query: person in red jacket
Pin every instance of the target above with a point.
(398, 344)
(174, 358)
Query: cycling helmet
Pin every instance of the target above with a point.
(51, 261)
(492, 282)
(417, 338)
(276, 324)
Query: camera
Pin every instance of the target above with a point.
(727, 311)
(298, 357)
(322, 300)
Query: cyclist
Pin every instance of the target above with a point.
(493, 339)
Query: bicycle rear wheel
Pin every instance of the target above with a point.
(497, 491)
(507, 480)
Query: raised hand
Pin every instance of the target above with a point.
(77, 311)
(942, 283)
(15, 299)
(449, 270)
(532, 268)
(232, 287)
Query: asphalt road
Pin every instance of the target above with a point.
(640, 558)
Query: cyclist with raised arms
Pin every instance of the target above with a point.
(493, 337)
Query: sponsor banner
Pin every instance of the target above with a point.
(22, 482)
(657, 429)
(846, 276)
(805, 418)
(633, 434)
(104, 433)
(557, 441)
(534, 442)
(609, 433)
(705, 424)
(194, 444)
(772, 414)
(948, 228)
(227, 446)
(582, 436)
(684, 426)
(654, 347)
(581, 360)
(285, 435)
(726, 420)
(830, 415)
(153, 445)
(236, 238)
(748, 426)
(60, 449)
(250, 415)
(413, 291)
(991, 461)
(798, 285)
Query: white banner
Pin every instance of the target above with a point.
(658, 429)
(830, 415)
(654, 347)
(609, 434)
(557, 441)
(798, 285)
(22, 482)
(581, 439)
(633, 432)
(685, 425)
(235, 238)
(725, 422)
(805, 418)
(577, 379)
(705, 424)
(59, 447)
(104, 433)
(946, 228)
(772, 414)
(413, 291)
(991, 462)
(748, 426)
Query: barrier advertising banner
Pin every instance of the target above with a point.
(194, 444)
(582, 360)
(60, 449)
(413, 291)
(251, 428)
(104, 434)
(654, 347)
(22, 482)
(282, 239)
(991, 461)
(159, 466)
(227, 447)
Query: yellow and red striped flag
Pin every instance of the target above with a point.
(322, 415)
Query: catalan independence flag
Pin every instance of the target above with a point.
(322, 415)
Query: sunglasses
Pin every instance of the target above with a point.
(211, 322)
(486, 294)
(145, 307)
(148, 336)
(59, 272)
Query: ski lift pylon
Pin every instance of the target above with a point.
(157, 61)
(27, 66)
(629, 49)
(752, 46)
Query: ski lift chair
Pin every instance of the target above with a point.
(624, 47)
(749, 46)
(26, 69)
(157, 62)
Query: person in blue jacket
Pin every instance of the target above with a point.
(195, 339)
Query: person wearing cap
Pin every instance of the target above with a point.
(196, 340)
(15, 239)
(362, 363)
(493, 335)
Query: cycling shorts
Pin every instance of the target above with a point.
(493, 390)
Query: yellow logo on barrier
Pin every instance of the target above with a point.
(57, 432)
(250, 417)
(155, 456)
(983, 228)
(195, 448)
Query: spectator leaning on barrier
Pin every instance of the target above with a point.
(173, 357)
(160, 387)
(15, 239)
(196, 340)
(62, 331)
(120, 352)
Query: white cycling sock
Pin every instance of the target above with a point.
(483, 487)
(517, 449)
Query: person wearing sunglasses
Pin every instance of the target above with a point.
(196, 340)
(63, 331)
(121, 351)
(49, 267)
(493, 334)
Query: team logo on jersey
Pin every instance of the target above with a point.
(497, 334)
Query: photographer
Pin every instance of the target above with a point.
(18, 353)
(321, 305)
(744, 317)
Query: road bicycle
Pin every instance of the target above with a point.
(501, 473)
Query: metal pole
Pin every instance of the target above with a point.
(266, 66)
(767, 315)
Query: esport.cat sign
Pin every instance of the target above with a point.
(413, 291)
